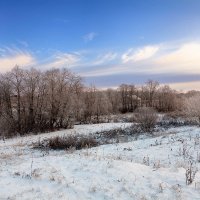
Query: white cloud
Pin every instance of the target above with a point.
(186, 58)
(11, 57)
(90, 36)
(60, 59)
(168, 58)
(68, 59)
(139, 54)
(108, 57)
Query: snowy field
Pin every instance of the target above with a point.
(148, 168)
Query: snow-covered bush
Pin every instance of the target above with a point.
(147, 118)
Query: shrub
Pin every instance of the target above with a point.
(147, 118)
(176, 121)
(190, 173)
(78, 142)
(67, 142)
(110, 134)
(114, 135)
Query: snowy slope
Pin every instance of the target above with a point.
(149, 168)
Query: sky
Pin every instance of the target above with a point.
(107, 42)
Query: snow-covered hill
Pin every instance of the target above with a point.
(148, 168)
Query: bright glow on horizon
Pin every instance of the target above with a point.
(186, 86)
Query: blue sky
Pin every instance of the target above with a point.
(108, 42)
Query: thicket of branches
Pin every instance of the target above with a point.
(38, 101)
(33, 101)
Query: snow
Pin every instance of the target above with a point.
(78, 129)
(148, 168)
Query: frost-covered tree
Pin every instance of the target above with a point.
(192, 107)
(148, 93)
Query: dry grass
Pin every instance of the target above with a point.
(67, 142)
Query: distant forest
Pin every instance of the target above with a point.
(37, 101)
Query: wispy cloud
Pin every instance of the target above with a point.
(9, 57)
(106, 58)
(23, 43)
(167, 58)
(89, 36)
(139, 54)
(60, 59)
(185, 58)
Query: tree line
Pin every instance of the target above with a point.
(36, 101)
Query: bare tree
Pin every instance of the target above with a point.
(129, 97)
(102, 106)
(192, 106)
(16, 77)
(151, 89)
(31, 89)
(114, 99)
(167, 100)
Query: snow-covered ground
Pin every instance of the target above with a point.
(148, 168)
